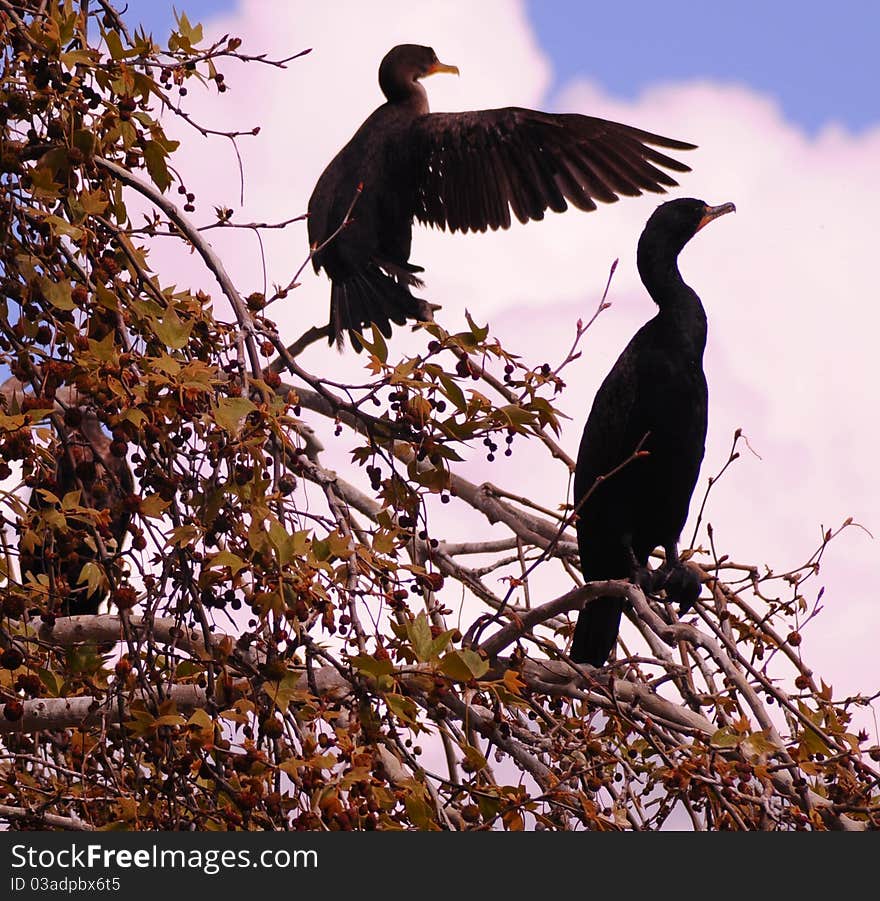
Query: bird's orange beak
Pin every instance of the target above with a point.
(713, 212)
(442, 67)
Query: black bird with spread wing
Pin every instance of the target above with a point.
(461, 171)
(655, 400)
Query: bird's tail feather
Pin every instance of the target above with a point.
(372, 297)
(596, 631)
(403, 273)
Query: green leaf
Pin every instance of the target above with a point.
(200, 721)
(191, 33)
(378, 348)
(479, 332)
(381, 348)
(813, 743)
(154, 156)
(452, 391)
(50, 680)
(106, 298)
(44, 183)
(62, 227)
(402, 707)
(93, 576)
(321, 762)
(49, 496)
(173, 331)
(94, 203)
(76, 58)
(71, 500)
(339, 545)
(286, 691)
(418, 810)
(419, 632)
(281, 541)
(438, 644)
(725, 738)
(489, 806)
(230, 411)
(187, 668)
(383, 542)
(757, 744)
(372, 666)
(464, 665)
(114, 44)
(546, 414)
(517, 416)
(226, 558)
(59, 293)
(105, 349)
(447, 453)
(299, 542)
(84, 141)
(321, 549)
(473, 756)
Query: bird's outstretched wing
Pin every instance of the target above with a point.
(473, 168)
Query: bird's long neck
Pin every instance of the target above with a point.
(679, 304)
(403, 89)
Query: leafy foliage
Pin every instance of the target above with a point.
(275, 659)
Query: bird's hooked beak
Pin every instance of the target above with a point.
(713, 212)
(441, 67)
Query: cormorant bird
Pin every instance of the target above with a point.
(655, 400)
(464, 171)
(84, 461)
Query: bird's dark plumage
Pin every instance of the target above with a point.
(654, 399)
(85, 462)
(461, 171)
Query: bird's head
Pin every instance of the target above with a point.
(674, 223)
(404, 65)
(670, 227)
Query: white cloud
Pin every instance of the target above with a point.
(789, 282)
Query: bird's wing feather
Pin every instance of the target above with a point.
(472, 168)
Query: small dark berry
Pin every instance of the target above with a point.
(13, 710)
(11, 659)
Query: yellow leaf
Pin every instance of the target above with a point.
(152, 506)
(93, 202)
(512, 682)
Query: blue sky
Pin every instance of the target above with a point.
(819, 60)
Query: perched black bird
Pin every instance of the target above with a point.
(464, 171)
(654, 399)
(86, 463)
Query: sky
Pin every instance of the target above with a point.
(780, 98)
(819, 60)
